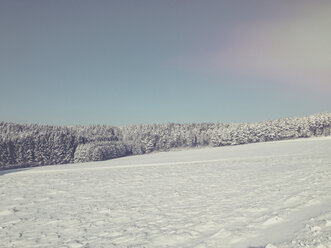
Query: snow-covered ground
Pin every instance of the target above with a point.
(275, 194)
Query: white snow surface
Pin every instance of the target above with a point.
(273, 195)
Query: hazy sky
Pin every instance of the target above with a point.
(124, 62)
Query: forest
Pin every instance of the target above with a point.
(24, 145)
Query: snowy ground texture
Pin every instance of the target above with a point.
(275, 194)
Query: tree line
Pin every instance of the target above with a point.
(23, 145)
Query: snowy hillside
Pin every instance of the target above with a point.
(272, 194)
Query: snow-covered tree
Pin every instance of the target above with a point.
(26, 145)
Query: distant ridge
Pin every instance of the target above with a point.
(23, 145)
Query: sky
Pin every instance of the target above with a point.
(122, 62)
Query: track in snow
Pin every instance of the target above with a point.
(275, 193)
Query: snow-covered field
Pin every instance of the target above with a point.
(275, 194)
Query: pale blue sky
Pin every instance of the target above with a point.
(125, 62)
